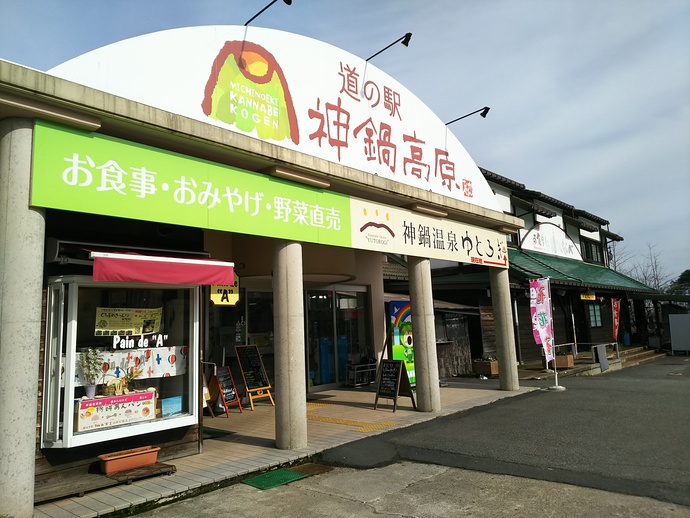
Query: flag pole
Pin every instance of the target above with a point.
(556, 387)
(555, 372)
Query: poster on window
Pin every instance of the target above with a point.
(401, 336)
(540, 310)
(138, 364)
(105, 412)
(127, 321)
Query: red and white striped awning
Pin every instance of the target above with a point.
(132, 267)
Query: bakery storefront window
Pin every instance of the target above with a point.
(118, 360)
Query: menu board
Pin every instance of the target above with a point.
(252, 367)
(389, 379)
(256, 384)
(392, 383)
(227, 384)
(223, 387)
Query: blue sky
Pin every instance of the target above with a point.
(590, 99)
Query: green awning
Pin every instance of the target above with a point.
(532, 265)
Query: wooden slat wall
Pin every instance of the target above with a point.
(486, 314)
(454, 358)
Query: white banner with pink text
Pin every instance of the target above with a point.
(540, 310)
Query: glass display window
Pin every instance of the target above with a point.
(337, 334)
(119, 360)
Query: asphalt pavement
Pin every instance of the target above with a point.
(625, 432)
(610, 445)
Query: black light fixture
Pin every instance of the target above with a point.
(484, 111)
(288, 2)
(405, 40)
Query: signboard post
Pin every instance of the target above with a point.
(223, 387)
(391, 384)
(256, 384)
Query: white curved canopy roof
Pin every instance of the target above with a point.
(294, 92)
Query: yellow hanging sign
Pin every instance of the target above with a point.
(588, 295)
(226, 294)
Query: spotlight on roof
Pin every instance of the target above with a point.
(405, 40)
(483, 112)
(288, 2)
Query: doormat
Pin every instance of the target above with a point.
(273, 478)
(215, 433)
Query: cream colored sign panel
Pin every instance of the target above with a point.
(551, 239)
(388, 229)
(292, 91)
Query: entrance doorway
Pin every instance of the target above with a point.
(337, 332)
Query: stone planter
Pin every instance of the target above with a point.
(485, 367)
(128, 459)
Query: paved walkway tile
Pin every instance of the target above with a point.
(333, 418)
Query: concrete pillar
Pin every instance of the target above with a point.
(288, 344)
(424, 334)
(22, 233)
(503, 325)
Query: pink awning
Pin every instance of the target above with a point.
(160, 270)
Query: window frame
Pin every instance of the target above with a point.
(592, 251)
(64, 331)
(594, 312)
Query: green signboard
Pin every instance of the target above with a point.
(97, 174)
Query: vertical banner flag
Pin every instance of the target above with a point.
(540, 310)
(616, 316)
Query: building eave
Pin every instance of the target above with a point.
(28, 93)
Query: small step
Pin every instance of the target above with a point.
(640, 354)
(629, 351)
(632, 362)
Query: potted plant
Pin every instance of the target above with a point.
(91, 365)
(486, 366)
(129, 378)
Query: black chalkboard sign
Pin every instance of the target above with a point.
(225, 389)
(227, 384)
(252, 367)
(256, 384)
(392, 383)
(389, 380)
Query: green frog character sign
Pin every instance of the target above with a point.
(401, 339)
